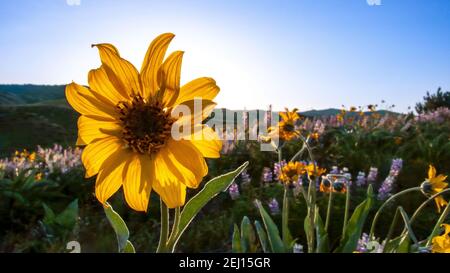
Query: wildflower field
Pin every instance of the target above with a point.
(362, 179)
(139, 161)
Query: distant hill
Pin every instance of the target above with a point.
(32, 115)
(14, 94)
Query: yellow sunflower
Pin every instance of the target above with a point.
(126, 121)
(441, 244)
(315, 171)
(285, 129)
(433, 185)
(291, 172)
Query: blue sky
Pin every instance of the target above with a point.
(310, 54)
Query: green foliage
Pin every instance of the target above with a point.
(120, 228)
(432, 102)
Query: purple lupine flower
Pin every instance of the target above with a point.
(372, 176)
(267, 175)
(233, 190)
(368, 245)
(361, 179)
(245, 177)
(277, 168)
(334, 170)
(362, 243)
(386, 187)
(274, 207)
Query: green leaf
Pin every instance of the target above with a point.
(276, 244)
(247, 236)
(262, 235)
(209, 191)
(287, 237)
(49, 215)
(68, 217)
(404, 244)
(321, 235)
(307, 226)
(356, 223)
(129, 248)
(392, 245)
(236, 246)
(120, 228)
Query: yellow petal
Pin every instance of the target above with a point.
(431, 172)
(204, 88)
(207, 142)
(109, 179)
(177, 170)
(440, 202)
(87, 102)
(169, 77)
(187, 155)
(139, 176)
(152, 61)
(99, 82)
(121, 73)
(90, 129)
(97, 152)
(172, 192)
(193, 112)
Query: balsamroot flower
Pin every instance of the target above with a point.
(435, 184)
(127, 122)
(285, 130)
(441, 244)
(291, 172)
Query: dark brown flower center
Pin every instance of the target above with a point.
(146, 126)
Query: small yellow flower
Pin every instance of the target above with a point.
(38, 176)
(32, 156)
(315, 136)
(353, 109)
(285, 130)
(292, 171)
(126, 121)
(398, 140)
(433, 185)
(314, 170)
(441, 244)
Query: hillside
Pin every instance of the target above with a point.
(13, 94)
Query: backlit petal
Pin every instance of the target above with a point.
(169, 77)
(99, 82)
(138, 176)
(204, 88)
(121, 73)
(87, 102)
(98, 152)
(90, 129)
(109, 179)
(152, 61)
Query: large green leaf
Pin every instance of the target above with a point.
(209, 191)
(321, 235)
(248, 237)
(273, 234)
(356, 223)
(262, 235)
(236, 246)
(68, 218)
(120, 228)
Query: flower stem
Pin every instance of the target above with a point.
(285, 217)
(330, 201)
(173, 239)
(162, 246)
(347, 209)
(377, 214)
